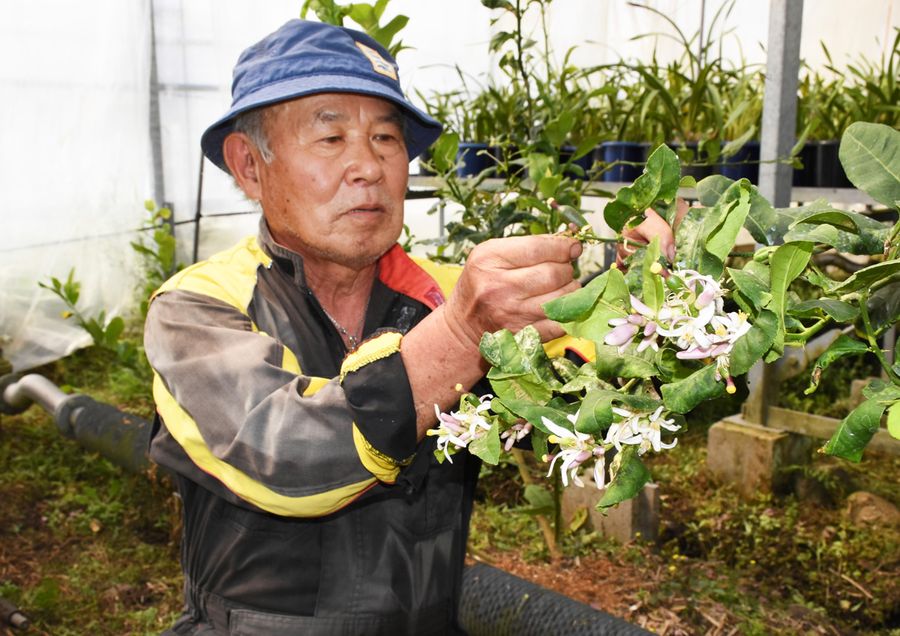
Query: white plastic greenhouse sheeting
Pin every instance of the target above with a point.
(75, 150)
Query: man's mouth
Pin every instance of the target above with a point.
(367, 208)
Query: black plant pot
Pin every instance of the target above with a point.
(610, 152)
(805, 176)
(585, 162)
(697, 166)
(829, 171)
(744, 164)
(473, 158)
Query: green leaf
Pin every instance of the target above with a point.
(519, 387)
(866, 277)
(882, 391)
(585, 380)
(558, 129)
(845, 231)
(787, 262)
(501, 351)
(689, 239)
(113, 330)
(520, 369)
(710, 189)
(540, 500)
(585, 313)
(684, 395)
(629, 364)
(595, 413)
(444, 151)
(893, 420)
(539, 165)
(870, 155)
(629, 480)
(487, 447)
(720, 238)
(760, 216)
(884, 307)
(843, 346)
(855, 431)
(754, 344)
(658, 181)
(385, 34)
(835, 309)
(531, 412)
(549, 184)
(751, 286)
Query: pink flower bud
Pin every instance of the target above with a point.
(620, 335)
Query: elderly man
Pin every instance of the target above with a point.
(297, 373)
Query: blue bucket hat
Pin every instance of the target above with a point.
(306, 58)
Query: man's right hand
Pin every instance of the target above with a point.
(505, 282)
(503, 285)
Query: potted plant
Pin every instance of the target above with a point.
(683, 96)
(623, 152)
(742, 102)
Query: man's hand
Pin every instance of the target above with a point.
(652, 225)
(505, 282)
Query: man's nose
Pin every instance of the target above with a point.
(364, 163)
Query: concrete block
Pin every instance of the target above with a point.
(754, 457)
(637, 517)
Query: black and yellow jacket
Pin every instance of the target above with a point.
(308, 505)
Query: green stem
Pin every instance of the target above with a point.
(802, 336)
(873, 343)
(627, 386)
(520, 60)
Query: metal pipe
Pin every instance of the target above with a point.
(11, 616)
(120, 437)
(20, 392)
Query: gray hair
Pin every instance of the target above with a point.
(253, 124)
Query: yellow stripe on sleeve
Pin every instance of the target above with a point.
(377, 463)
(185, 431)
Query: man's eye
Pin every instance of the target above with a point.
(332, 139)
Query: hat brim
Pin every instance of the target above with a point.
(420, 130)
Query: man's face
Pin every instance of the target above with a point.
(335, 188)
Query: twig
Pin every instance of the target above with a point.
(854, 584)
(718, 624)
(480, 556)
(546, 530)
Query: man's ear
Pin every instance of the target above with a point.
(243, 161)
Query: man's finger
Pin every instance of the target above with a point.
(521, 251)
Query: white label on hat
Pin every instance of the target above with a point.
(379, 64)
